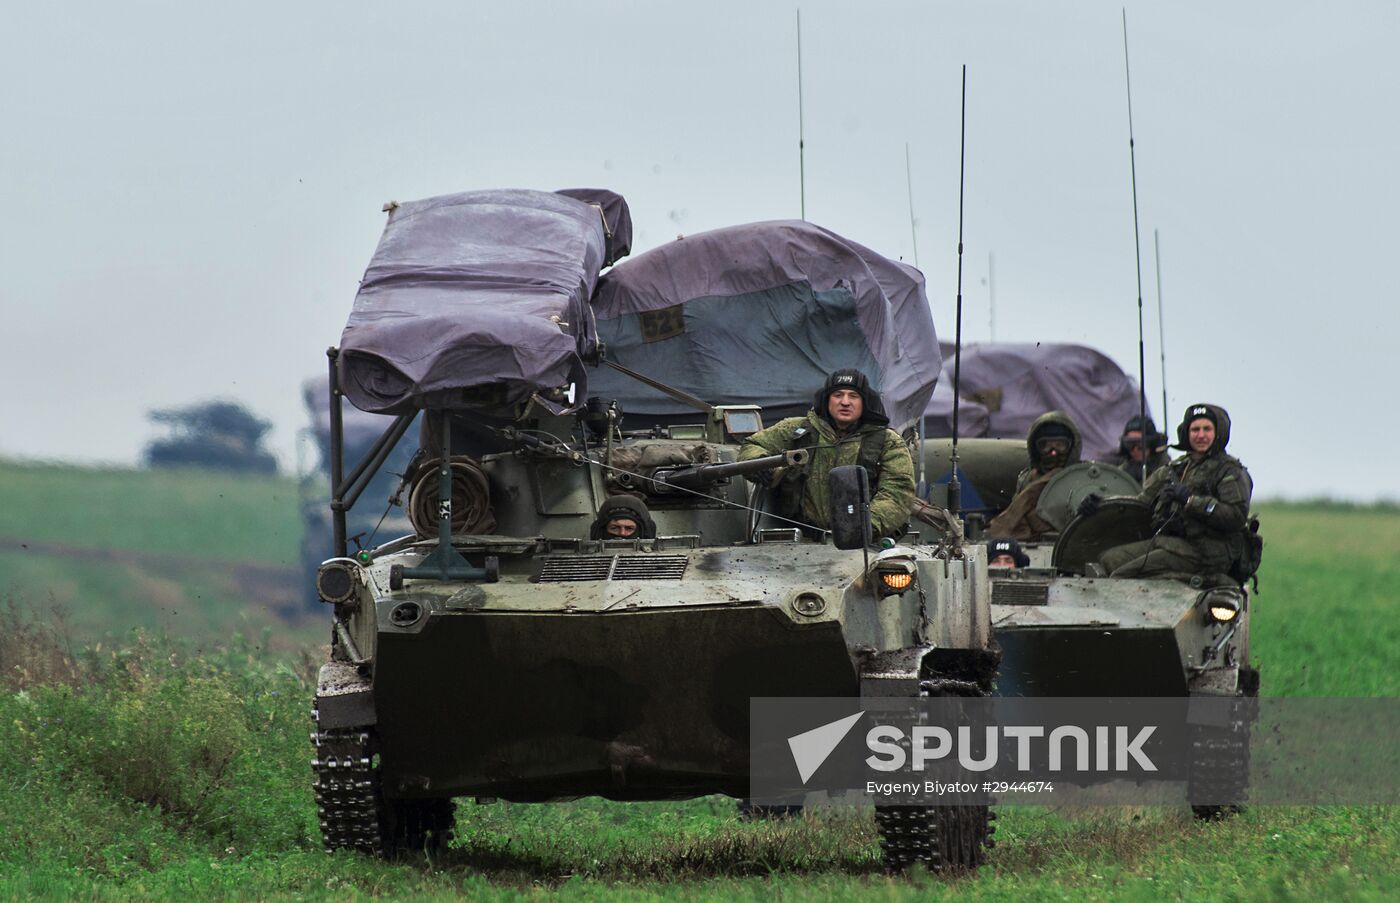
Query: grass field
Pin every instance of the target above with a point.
(139, 767)
(191, 553)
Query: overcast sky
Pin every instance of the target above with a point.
(191, 193)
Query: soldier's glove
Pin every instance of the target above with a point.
(1090, 506)
(762, 478)
(1178, 492)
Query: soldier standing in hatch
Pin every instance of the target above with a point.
(1200, 506)
(1052, 443)
(1131, 447)
(847, 425)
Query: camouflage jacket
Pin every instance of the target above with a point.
(894, 497)
(1020, 520)
(1214, 518)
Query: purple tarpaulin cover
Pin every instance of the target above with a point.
(479, 300)
(760, 314)
(1006, 386)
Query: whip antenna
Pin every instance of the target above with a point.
(801, 127)
(992, 296)
(1161, 329)
(1137, 252)
(921, 487)
(955, 487)
(909, 189)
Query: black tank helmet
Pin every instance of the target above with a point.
(1010, 547)
(1155, 441)
(1053, 424)
(623, 506)
(1212, 412)
(872, 408)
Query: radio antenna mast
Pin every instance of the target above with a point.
(921, 487)
(954, 486)
(801, 127)
(1137, 251)
(1161, 329)
(909, 189)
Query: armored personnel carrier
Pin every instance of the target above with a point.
(503, 649)
(1067, 630)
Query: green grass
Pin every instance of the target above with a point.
(192, 553)
(209, 514)
(1327, 619)
(177, 769)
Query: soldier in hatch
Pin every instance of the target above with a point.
(1052, 443)
(1132, 450)
(847, 425)
(623, 517)
(1006, 553)
(1200, 507)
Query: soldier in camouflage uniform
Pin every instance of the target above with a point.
(1130, 449)
(1200, 506)
(1052, 443)
(847, 425)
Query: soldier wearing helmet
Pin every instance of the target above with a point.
(1052, 444)
(1200, 506)
(1140, 441)
(623, 517)
(1006, 553)
(846, 425)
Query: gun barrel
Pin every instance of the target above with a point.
(704, 474)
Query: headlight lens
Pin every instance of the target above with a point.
(898, 581)
(1224, 613)
(1222, 605)
(894, 576)
(335, 581)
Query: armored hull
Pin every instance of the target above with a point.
(623, 669)
(1083, 636)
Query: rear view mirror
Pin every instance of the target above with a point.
(849, 487)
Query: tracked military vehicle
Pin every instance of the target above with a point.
(499, 651)
(1067, 630)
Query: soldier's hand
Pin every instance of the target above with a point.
(762, 478)
(1178, 492)
(1090, 506)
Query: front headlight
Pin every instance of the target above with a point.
(1222, 605)
(1224, 612)
(893, 577)
(335, 581)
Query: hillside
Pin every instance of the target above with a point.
(193, 553)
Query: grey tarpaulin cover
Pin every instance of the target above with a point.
(1006, 386)
(479, 300)
(760, 314)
